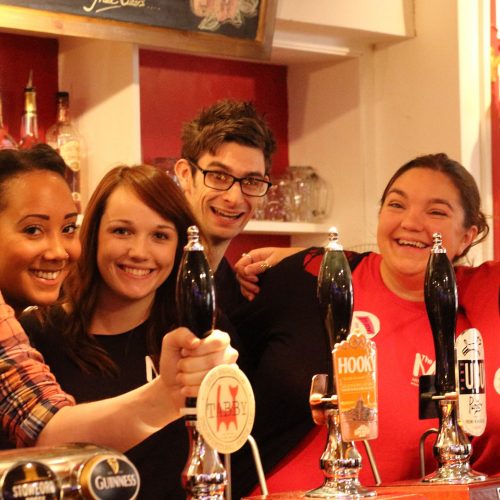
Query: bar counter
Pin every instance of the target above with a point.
(296, 495)
(412, 490)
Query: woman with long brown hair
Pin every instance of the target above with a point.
(105, 339)
(132, 237)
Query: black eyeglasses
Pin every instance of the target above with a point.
(222, 181)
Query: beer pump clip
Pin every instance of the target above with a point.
(352, 361)
(461, 406)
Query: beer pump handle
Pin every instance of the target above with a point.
(441, 302)
(334, 292)
(340, 460)
(195, 291)
(203, 475)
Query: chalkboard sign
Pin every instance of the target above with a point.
(243, 21)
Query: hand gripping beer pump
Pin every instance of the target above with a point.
(341, 461)
(204, 475)
(463, 357)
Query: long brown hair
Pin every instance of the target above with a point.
(160, 193)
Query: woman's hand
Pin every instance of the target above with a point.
(185, 360)
(255, 262)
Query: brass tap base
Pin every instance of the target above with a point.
(454, 474)
(345, 489)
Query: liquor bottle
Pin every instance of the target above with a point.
(335, 295)
(441, 302)
(204, 475)
(29, 120)
(6, 140)
(65, 139)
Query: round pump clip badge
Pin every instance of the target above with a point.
(30, 479)
(225, 408)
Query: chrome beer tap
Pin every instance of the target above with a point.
(204, 476)
(452, 448)
(340, 461)
(77, 471)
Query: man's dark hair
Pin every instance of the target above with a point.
(227, 121)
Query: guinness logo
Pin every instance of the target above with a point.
(28, 480)
(113, 464)
(109, 478)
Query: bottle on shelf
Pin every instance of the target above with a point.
(66, 140)
(29, 120)
(6, 140)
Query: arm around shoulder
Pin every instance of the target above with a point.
(257, 261)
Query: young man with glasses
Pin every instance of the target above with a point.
(224, 172)
(226, 157)
(224, 169)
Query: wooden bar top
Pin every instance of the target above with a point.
(414, 490)
(482, 490)
(295, 495)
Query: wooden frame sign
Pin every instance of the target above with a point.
(235, 28)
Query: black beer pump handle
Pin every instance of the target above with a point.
(195, 291)
(335, 296)
(441, 302)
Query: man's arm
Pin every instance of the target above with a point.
(257, 261)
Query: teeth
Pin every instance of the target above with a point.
(226, 214)
(416, 244)
(47, 275)
(135, 271)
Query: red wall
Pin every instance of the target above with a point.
(175, 87)
(18, 55)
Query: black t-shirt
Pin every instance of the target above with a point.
(127, 349)
(159, 458)
(228, 294)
